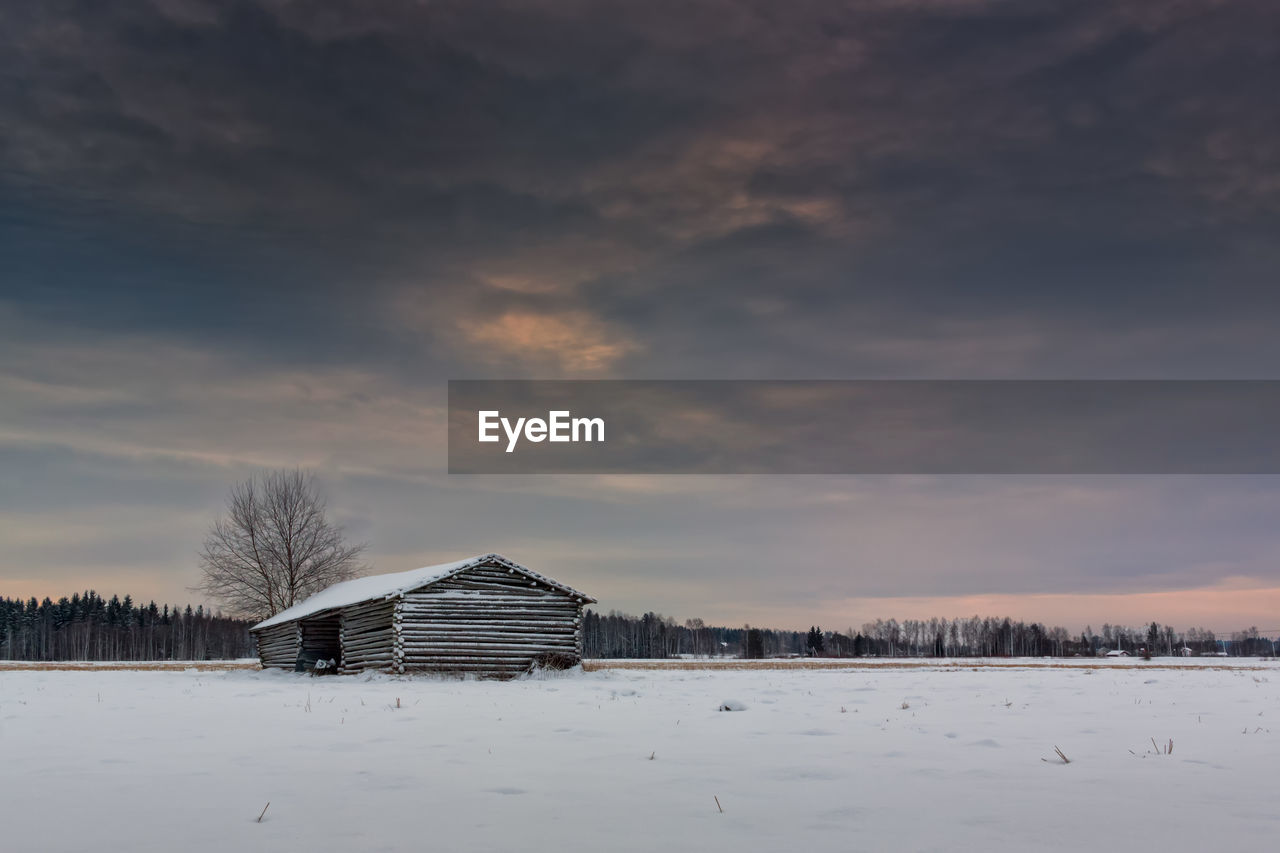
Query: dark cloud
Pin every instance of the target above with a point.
(1042, 165)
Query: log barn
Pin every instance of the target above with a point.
(487, 616)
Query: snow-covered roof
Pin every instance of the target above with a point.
(374, 587)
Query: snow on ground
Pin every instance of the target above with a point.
(938, 758)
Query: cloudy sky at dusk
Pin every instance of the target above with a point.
(247, 234)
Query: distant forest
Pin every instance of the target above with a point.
(89, 627)
(617, 635)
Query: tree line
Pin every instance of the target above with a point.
(619, 635)
(92, 628)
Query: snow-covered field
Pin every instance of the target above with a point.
(934, 758)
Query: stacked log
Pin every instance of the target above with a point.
(487, 621)
(278, 645)
(397, 633)
(577, 634)
(366, 636)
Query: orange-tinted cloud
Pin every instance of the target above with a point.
(573, 342)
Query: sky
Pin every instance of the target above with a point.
(256, 234)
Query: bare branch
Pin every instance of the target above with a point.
(275, 546)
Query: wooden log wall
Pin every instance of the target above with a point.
(366, 638)
(489, 621)
(278, 645)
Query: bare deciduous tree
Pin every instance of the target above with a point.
(274, 547)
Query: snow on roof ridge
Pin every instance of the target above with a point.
(388, 585)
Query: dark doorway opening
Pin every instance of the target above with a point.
(319, 641)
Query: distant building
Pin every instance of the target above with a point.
(487, 615)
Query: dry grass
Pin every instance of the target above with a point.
(713, 664)
(946, 665)
(126, 666)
